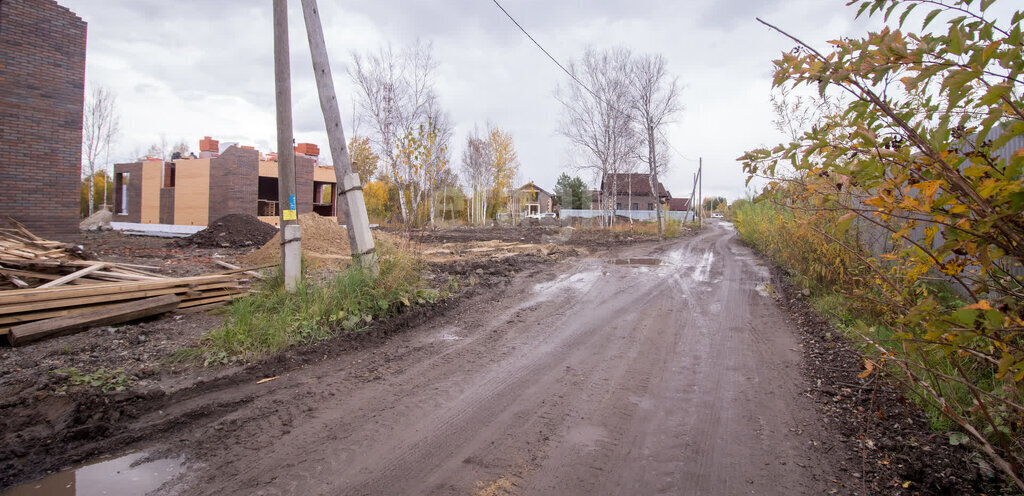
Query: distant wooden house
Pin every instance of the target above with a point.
(533, 199)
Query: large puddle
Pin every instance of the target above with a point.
(637, 261)
(115, 477)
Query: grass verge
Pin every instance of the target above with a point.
(270, 319)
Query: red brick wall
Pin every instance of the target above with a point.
(134, 190)
(42, 85)
(234, 182)
(304, 184)
(167, 205)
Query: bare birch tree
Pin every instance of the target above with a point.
(99, 130)
(438, 156)
(596, 119)
(655, 100)
(477, 160)
(396, 90)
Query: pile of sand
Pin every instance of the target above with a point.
(324, 244)
(97, 221)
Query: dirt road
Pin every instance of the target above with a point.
(586, 377)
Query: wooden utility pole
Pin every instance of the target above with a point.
(350, 191)
(291, 235)
(693, 196)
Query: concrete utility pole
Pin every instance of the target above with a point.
(350, 191)
(700, 189)
(291, 233)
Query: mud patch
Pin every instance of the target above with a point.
(128, 475)
(766, 289)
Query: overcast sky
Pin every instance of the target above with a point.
(192, 68)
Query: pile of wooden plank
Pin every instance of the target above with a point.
(50, 291)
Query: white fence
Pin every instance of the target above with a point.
(650, 215)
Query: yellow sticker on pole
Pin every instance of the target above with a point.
(288, 215)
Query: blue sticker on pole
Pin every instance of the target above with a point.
(291, 202)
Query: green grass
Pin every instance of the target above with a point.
(672, 228)
(103, 379)
(271, 319)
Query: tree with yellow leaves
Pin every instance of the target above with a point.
(364, 160)
(504, 166)
(422, 152)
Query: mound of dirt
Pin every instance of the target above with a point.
(323, 243)
(231, 231)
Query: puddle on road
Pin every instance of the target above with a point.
(115, 477)
(702, 272)
(637, 261)
(579, 281)
(447, 336)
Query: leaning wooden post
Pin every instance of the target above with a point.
(291, 234)
(350, 190)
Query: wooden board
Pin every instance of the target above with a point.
(32, 295)
(33, 306)
(116, 314)
(20, 318)
(74, 275)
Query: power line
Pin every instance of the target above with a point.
(574, 78)
(553, 59)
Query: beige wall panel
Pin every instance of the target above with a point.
(192, 192)
(268, 169)
(150, 210)
(324, 174)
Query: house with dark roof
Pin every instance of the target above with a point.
(629, 192)
(679, 204)
(533, 199)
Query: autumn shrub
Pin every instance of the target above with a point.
(917, 149)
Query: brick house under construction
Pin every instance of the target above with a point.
(195, 191)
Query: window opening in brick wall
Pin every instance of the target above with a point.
(121, 180)
(266, 203)
(323, 198)
(169, 175)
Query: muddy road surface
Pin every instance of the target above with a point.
(664, 368)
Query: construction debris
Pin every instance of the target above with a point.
(46, 289)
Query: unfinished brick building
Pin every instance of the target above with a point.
(42, 88)
(195, 191)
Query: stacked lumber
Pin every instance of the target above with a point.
(35, 313)
(51, 292)
(26, 260)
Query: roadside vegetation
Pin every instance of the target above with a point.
(270, 319)
(101, 378)
(899, 202)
